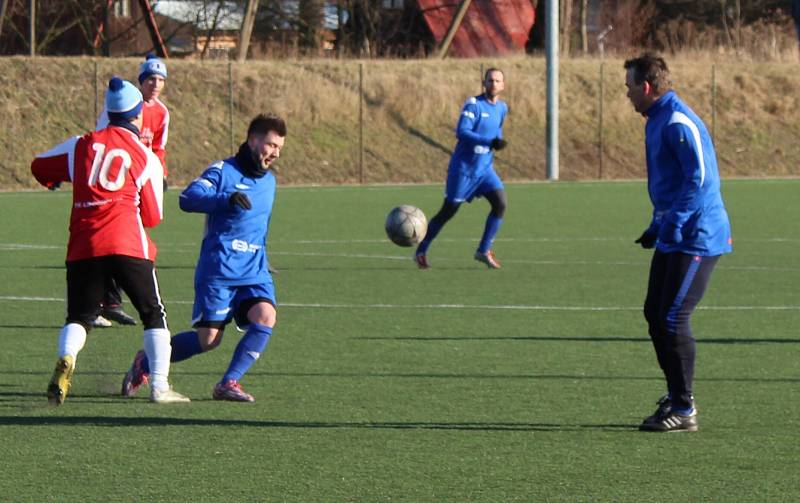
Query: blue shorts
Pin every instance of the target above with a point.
(223, 303)
(462, 187)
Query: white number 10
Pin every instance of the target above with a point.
(102, 164)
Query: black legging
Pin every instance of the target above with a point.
(497, 199)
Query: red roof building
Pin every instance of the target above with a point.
(489, 28)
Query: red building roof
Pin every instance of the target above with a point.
(489, 28)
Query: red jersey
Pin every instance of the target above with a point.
(155, 128)
(117, 192)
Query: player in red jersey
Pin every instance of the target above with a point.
(153, 134)
(117, 192)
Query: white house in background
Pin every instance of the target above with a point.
(222, 21)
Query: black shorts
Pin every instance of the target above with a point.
(86, 288)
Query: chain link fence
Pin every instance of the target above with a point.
(384, 121)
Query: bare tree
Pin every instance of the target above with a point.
(210, 16)
(310, 17)
(566, 25)
(3, 6)
(584, 35)
(53, 21)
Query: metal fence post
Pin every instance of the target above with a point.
(230, 101)
(600, 124)
(361, 123)
(714, 102)
(94, 119)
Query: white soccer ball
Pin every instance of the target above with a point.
(406, 225)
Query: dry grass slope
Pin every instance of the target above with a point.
(410, 108)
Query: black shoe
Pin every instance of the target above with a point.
(664, 408)
(115, 313)
(672, 422)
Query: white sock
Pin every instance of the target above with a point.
(158, 349)
(71, 340)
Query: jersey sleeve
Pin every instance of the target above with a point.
(56, 165)
(160, 141)
(151, 191)
(465, 129)
(203, 194)
(683, 140)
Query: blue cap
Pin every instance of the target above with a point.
(123, 99)
(152, 66)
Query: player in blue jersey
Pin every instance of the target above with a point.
(689, 230)
(232, 280)
(471, 171)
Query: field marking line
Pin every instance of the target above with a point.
(167, 246)
(12, 246)
(503, 307)
(372, 256)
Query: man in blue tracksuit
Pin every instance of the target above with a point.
(471, 171)
(689, 230)
(232, 279)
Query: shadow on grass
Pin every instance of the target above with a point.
(32, 327)
(177, 421)
(175, 371)
(725, 340)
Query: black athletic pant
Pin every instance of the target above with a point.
(86, 287)
(112, 297)
(677, 283)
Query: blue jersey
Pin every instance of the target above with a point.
(480, 123)
(234, 246)
(683, 181)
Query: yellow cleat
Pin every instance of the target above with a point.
(60, 382)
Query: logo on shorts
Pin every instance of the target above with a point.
(222, 311)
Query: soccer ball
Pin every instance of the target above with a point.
(406, 225)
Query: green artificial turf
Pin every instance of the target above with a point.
(386, 383)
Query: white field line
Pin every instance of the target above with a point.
(500, 307)
(372, 256)
(194, 246)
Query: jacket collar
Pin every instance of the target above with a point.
(660, 104)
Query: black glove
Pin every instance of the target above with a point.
(165, 184)
(54, 186)
(499, 144)
(647, 239)
(241, 200)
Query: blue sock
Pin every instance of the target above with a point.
(493, 224)
(184, 345)
(253, 343)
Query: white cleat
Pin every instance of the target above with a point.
(101, 322)
(168, 395)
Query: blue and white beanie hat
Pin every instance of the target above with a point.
(123, 99)
(152, 66)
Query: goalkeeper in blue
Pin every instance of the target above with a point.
(689, 230)
(232, 281)
(471, 171)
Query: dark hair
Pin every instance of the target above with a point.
(264, 123)
(493, 69)
(650, 68)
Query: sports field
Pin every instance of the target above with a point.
(385, 383)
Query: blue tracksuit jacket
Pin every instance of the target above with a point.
(480, 123)
(683, 181)
(234, 246)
